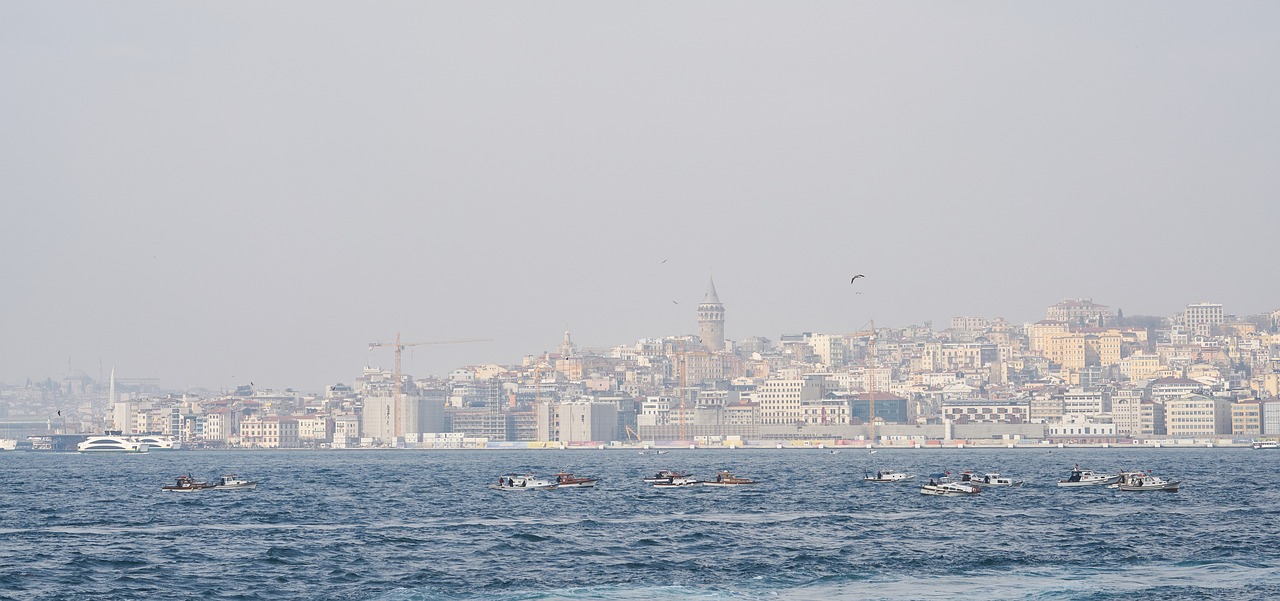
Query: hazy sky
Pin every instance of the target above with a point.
(222, 192)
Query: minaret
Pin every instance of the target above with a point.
(711, 319)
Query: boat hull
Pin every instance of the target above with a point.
(1098, 482)
(942, 491)
(588, 484)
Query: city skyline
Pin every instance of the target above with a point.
(382, 358)
(212, 195)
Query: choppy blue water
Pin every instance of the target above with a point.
(423, 526)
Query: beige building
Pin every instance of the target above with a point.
(1196, 416)
(1246, 418)
(1077, 310)
(272, 432)
(782, 401)
(577, 422)
(1037, 332)
(1140, 366)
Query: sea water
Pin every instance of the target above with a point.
(423, 525)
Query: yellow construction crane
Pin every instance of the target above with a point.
(396, 387)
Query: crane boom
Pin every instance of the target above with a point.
(399, 347)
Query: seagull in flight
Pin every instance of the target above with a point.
(855, 278)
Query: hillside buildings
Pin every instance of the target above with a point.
(1085, 373)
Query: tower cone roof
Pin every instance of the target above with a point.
(712, 297)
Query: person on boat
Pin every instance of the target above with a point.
(932, 482)
(879, 476)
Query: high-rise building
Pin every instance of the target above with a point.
(711, 319)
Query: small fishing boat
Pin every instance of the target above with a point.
(725, 478)
(680, 481)
(234, 482)
(885, 476)
(1081, 477)
(942, 485)
(992, 479)
(1144, 481)
(516, 482)
(186, 484)
(567, 480)
(665, 476)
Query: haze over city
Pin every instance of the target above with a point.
(217, 193)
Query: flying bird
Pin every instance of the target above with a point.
(59, 412)
(675, 302)
(664, 260)
(854, 278)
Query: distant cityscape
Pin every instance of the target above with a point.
(1086, 374)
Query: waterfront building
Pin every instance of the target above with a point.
(781, 400)
(1197, 416)
(1084, 429)
(1246, 418)
(271, 432)
(1270, 417)
(1046, 406)
(977, 410)
(1081, 402)
(890, 408)
(583, 421)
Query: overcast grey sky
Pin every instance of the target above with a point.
(219, 192)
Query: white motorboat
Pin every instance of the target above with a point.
(1144, 481)
(1081, 477)
(112, 444)
(883, 476)
(991, 479)
(1259, 445)
(680, 481)
(726, 478)
(8, 444)
(233, 482)
(942, 485)
(187, 484)
(521, 483)
(158, 442)
(567, 480)
(664, 476)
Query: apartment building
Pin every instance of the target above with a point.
(1197, 416)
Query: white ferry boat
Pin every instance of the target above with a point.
(159, 442)
(112, 444)
(1266, 444)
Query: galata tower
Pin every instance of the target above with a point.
(711, 319)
